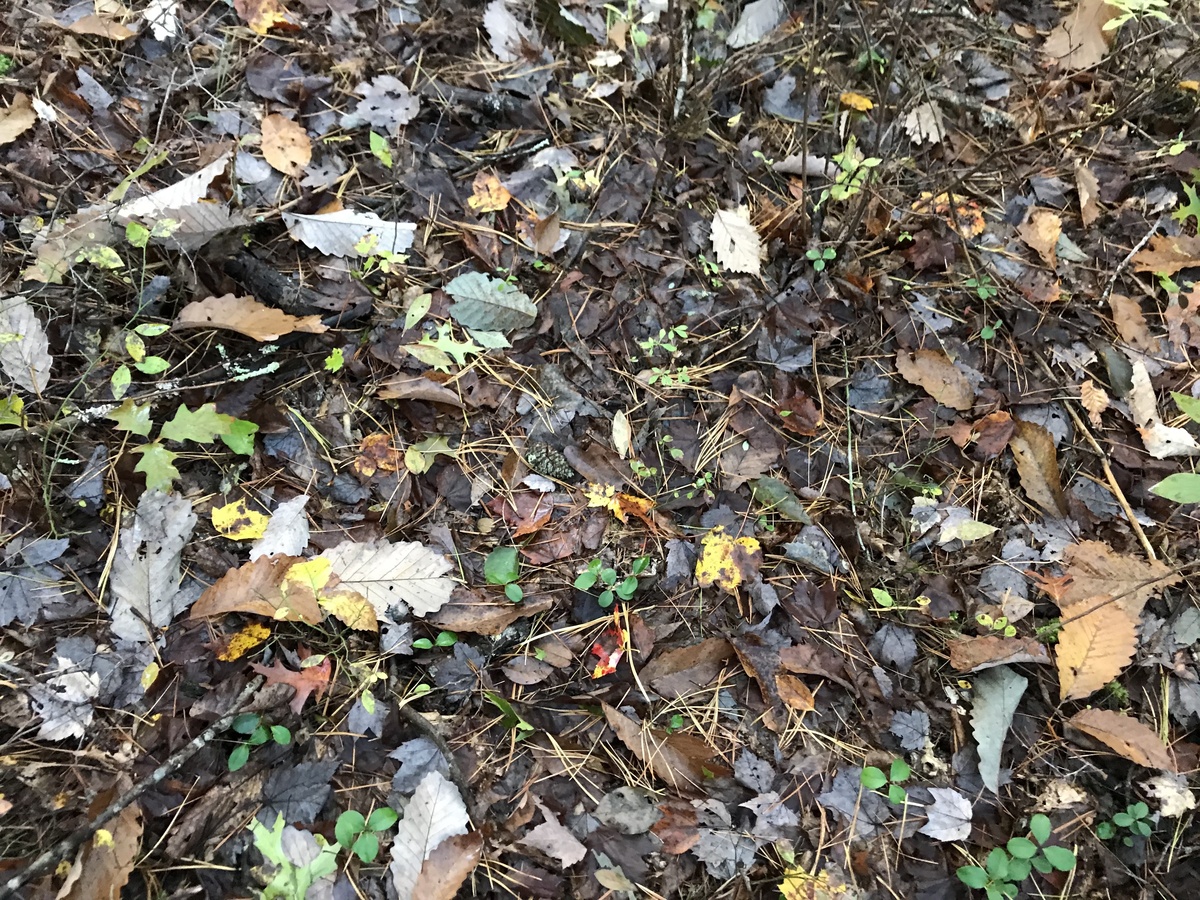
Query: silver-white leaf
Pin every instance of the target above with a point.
(286, 533)
(997, 693)
(435, 812)
(388, 575)
(949, 816)
(24, 350)
(342, 233)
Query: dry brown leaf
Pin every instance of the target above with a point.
(488, 194)
(1129, 321)
(263, 15)
(1182, 319)
(449, 866)
(1041, 232)
(1125, 736)
(1096, 643)
(285, 145)
(247, 316)
(472, 612)
(1094, 400)
(258, 588)
(977, 654)
(1037, 464)
(1168, 254)
(1088, 187)
(417, 387)
(1094, 568)
(794, 692)
(1080, 41)
(933, 371)
(1161, 441)
(104, 864)
(18, 118)
(101, 26)
(683, 761)
(309, 680)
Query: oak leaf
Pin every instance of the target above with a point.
(386, 574)
(309, 680)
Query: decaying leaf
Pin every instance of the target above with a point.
(145, 573)
(348, 232)
(1037, 464)
(16, 119)
(1093, 399)
(386, 105)
(736, 243)
(263, 15)
(933, 371)
(758, 19)
(262, 587)
(997, 693)
(1094, 568)
(554, 839)
(1079, 41)
(1125, 736)
(247, 316)
(727, 561)
(508, 35)
(488, 194)
(1096, 643)
(434, 813)
(980, 653)
(24, 351)
(1041, 232)
(103, 865)
(483, 303)
(925, 124)
(309, 680)
(238, 522)
(449, 866)
(387, 574)
(1167, 254)
(1162, 441)
(285, 145)
(683, 761)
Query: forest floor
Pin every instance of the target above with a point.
(654, 449)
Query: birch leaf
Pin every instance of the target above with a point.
(24, 350)
(997, 693)
(489, 304)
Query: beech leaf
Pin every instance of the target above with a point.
(1125, 736)
(736, 243)
(386, 574)
(1096, 643)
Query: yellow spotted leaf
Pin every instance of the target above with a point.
(726, 561)
(351, 609)
(238, 522)
(244, 641)
(800, 885)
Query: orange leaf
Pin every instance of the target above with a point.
(1094, 647)
(376, 454)
(263, 15)
(1126, 736)
(247, 316)
(285, 145)
(488, 194)
(313, 679)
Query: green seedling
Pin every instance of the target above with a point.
(1139, 10)
(999, 624)
(820, 258)
(1134, 821)
(989, 332)
(1006, 867)
(256, 734)
(853, 172)
(669, 378)
(873, 779)
(381, 150)
(361, 835)
(611, 584)
(509, 717)
(335, 360)
(503, 568)
(6, 64)
(885, 601)
(443, 639)
(667, 339)
(983, 286)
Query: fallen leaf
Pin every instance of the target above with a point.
(1088, 187)
(376, 454)
(1161, 441)
(26, 360)
(435, 813)
(1093, 399)
(247, 316)
(933, 371)
(101, 26)
(1174, 796)
(483, 303)
(851, 100)
(794, 693)
(622, 434)
(758, 19)
(683, 761)
(554, 839)
(1037, 463)
(976, 654)
(238, 522)
(726, 561)
(286, 533)
(949, 818)
(349, 233)
(488, 194)
(507, 35)
(925, 124)
(285, 145)
(449, 866)
(251, 635)
(1093, 567)
(103, 864)
(386, 574)
(997, 693)
(1125, 736)
(387, 103)
(1096, 643)
(258, 588)
(16, 119)
(263, 15)
(1167, 254)
(1041, 232)
(1079, 41)
(736, 244)
(1130, 323)
(309, 680)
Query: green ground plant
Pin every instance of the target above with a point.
(874, 779)
(612, 586)
(502, 568)
(256, 734)
(1006, 867)
(1134, 821)
(360, 834)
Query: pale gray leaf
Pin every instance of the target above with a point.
(758, 19)
(347, 232)
(24, 349)
(949, 816)
(554, 839)
(435, 812)
(386, 104)
(505, 31)
(145, 572)
(286, 533)
(997, 693)
(628, 809)
(388, 574)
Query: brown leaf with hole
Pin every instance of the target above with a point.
(1096, 643)
(1167, 254)
(1125, 736)
(979, 653)
(285, 145)
(683, 761)
(941, 379)
(1041, 232)
(1079, 41)
(247, 316)
(1037, 464)
(258, 588)
(1095, 568)
(1094, 399)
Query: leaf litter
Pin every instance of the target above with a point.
(801, 448)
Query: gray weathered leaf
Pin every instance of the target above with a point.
(347, 232)
(24, 350)
(949, 816)
(286, 533)
(997, 693)
(388, 574)
(145, 573)
(758, 19)
(489, 304)
(297, 792)
(505, 32)
(386, 104)
(435, 812)
(64, 699)
(554, 839)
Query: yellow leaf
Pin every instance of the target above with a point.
(603, 496)
(103, 838)
(244, 641)
(856, 101)
(238, 522)
(1193, 86)
(727, 562)
(351, 609)
(488, 194)
(800, 885)
(1097, 641)
(149, 676)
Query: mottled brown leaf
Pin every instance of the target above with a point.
(1037, 464)
(941, 379)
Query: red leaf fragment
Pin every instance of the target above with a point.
(311, 680)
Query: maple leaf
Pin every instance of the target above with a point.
(309, 680)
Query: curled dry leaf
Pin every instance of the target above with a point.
(247, 316)
(933, 371)
(1094, 399)
(1037, 464)
(1125, 736)
(979, 653)
(102, 867)
(1096, 643)
(1167, 254)
(18, 118)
